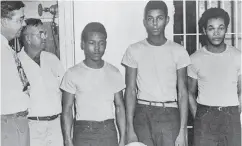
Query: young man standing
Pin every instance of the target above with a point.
(157, 67)
(44, 71)
(14, 84)
(95, 85)
(215, 74)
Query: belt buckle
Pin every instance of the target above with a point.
(163, 105)
(48, 118)
(220, 108)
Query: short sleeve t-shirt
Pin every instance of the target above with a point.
(156, 68)
(217, 75)
(94, 90)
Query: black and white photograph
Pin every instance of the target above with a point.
(121, 73)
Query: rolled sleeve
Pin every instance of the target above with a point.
(129, 59)
(183, 59)
(192, 71)
(67, 83)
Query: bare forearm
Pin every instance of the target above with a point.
(183, 107)
(193, 104)
(130, 103)
(66, 125)
(121, 122)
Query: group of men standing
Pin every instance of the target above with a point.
(161, 82)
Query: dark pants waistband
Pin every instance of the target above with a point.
(47, 118)
(218, 108)
(94, 123)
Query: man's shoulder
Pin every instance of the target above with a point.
(197, 56)
(76, 68)
(50, 55)
(175, 47)
(174, 44)
(234, 50)
(112, 68)
(138, 45)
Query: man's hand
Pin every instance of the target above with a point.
(68, 143)
(131, 136)
(121, 143)
(181, 139)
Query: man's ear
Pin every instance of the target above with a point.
(167, 19)
(4, 22)
(144, 22)
(27, 39)
(204, 31)
(82, 44)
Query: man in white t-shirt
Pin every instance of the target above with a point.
(155, 67)
(95, 85)
(215, 75)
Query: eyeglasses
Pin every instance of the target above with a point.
(21, 20)
(42, 34)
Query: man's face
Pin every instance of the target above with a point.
(155, 22)
(215, 31)
(94, 46)
(14, 25)
(37, 37)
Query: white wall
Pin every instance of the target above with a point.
(123, 21)
(31, 10)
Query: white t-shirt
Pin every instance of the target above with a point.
(157, 68)
(45, 94)
(217, 75)
(94, 90)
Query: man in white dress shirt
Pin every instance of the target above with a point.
(44, 71)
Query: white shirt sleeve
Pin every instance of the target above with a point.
(182, 58)
(192, 70)
(120, 84)
(67, 83)
(129, 59)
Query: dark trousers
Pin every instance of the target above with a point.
(95, 133)
(156, 126)
(215, 126)
(14, 131)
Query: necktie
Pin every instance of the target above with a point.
(22, 75)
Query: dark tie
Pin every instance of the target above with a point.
(22, 75)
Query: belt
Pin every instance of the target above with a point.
(16, 115)
(219, 108)
(94, 124)
(158, 103)
(47, 118)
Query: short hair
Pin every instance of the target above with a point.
(7, 7)
(213, 13)
(209, 14)
(93, 27)
(29, 22)
(154, 5)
